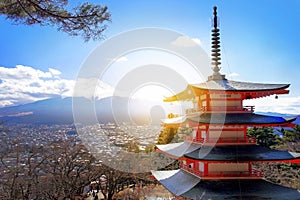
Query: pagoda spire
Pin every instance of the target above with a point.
(215, 49)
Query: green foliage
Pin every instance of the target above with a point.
(150, 148)
(86, 19)
(265, 136)
(133, 147)
(182, 133)
(166, 135)
(286, 174)
(292, 135)
(284, 166)
(291, 138)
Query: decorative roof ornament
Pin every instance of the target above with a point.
(216, 49)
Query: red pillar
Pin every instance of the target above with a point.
(207, 102)
(245, 132)
(205, 168)
(250, 168)
(198, 134)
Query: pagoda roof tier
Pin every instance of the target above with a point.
(250, 119)
(193, 187)
(247, 89)
(229, 85)
(169, 178)
(242, 153)
(177, 150)
(241, 189)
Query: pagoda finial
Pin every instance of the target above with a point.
(216, 49)
(215, 17)
(215, 45)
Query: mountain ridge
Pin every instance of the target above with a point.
(109, 109)
(60, 111)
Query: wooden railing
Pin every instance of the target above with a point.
(246, 140)
(228, 109)
(252, 173)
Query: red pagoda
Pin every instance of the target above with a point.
(216, 160)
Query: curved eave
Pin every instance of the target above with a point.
(242, 153)
(196, 122)
(254, 90)
(184, 184)
(177, 150)
(249, 119)
(237, 86)
(282, 124)
(259, 94)
(186, 94)
(241, 189)
(170, 179)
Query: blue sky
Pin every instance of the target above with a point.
(260, 40)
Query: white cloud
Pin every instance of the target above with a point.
(284, 105)
(185, 41)
(24, 84)
(92, 88)
(23, 72)
(233, 75)
(54, 72)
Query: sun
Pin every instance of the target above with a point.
(147, 101)
(151, 92)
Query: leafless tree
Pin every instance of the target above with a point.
(56, 170)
